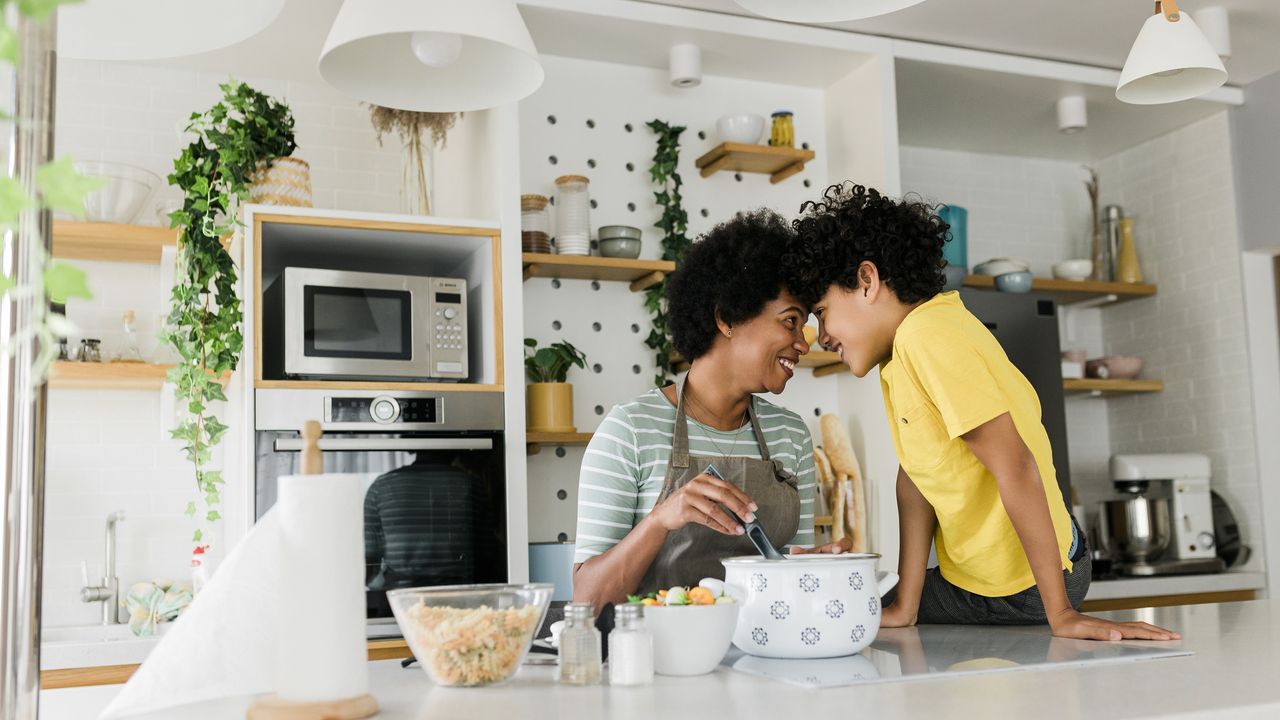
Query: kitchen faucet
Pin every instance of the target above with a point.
(108, 593)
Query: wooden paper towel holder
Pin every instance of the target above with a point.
(274, 708)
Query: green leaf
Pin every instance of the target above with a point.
(13, 200)
(6, 284)
(40, 10)
(197, 536)
(191, 509)
(212, 516)
(62, 187)
(8, 45)
(63, 281)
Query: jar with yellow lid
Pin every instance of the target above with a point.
(573, 215)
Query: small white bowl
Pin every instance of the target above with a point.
(690, 639)
(1000, 266)
(745, 129)
(1073, 269)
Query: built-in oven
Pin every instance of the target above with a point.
(432, 465)
(337, 324)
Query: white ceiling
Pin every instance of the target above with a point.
(1092, 32)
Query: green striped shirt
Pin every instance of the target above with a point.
(626, 462)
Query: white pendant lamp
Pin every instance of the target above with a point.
(155, 29)
(824, 11)
(431, 55)
(1170, 61)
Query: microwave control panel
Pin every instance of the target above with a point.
(446, 328)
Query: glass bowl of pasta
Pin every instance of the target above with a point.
(470, 635)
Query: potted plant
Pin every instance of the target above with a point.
(550, 398)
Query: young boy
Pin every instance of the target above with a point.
(976, 474)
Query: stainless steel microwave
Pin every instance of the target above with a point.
(335, 324)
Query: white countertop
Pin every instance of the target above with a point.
(1233, 673)
(1175, 585)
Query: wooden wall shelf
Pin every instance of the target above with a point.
(779, 163)
(107, 376)
(642, 274)
(1068, 292)
(535, 440)
(1098, 387)
(110, 241)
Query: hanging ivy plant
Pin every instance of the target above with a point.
(674, 224)
(243, 131)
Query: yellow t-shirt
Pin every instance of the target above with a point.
(947, 376)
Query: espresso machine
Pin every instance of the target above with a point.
(1162, 524)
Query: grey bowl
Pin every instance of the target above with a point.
(1014, 282)
(618, 231)
(620, 247)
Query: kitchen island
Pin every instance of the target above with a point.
(1234, 672)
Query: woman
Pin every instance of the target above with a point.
(649, 516)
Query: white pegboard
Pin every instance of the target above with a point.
(593, 104)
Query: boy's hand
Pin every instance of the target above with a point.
(896, 615)
(1072, 624)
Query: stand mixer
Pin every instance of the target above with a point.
(1163, 525)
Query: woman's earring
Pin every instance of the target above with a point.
(729, 332)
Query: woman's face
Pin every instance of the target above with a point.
(771, 343)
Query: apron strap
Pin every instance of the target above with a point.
(755, 426)
(680, 443)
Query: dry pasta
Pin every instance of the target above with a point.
(474, 646)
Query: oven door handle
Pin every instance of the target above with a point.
(387, 444)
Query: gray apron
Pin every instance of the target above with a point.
(694, 551)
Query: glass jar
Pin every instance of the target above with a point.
(783, 133)
(579, 646)
(573, 215)
(91, 350)
(130, 351)
(630, 648)
(535, 225)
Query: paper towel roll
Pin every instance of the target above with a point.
(284, 611)
(322, 650)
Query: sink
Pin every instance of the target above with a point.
(94, 645)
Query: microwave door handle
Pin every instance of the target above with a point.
(387, 444)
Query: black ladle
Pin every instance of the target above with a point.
(754, 532)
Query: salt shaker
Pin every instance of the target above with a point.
(630, 648)
(91, 350)
(579, 646)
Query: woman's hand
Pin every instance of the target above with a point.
(842, 545)
(1072, 624)
(699, 500)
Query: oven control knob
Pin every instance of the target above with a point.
(384, 409)
(450, 313)
(1205, 539)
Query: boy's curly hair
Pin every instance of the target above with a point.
(735, 268)
(853, 223)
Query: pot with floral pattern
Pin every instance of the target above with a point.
(807, 606)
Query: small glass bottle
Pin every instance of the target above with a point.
(130, 351)
(91, 350)
(579, 646)
(630, 648)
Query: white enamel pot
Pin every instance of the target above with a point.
(806, 606)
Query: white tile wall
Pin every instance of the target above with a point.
(1179, 189)
(107, 450)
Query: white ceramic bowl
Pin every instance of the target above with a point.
(1073, 269)
(690, 639)
(745, 129)
(1000, 266)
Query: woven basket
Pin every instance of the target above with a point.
(286, 182)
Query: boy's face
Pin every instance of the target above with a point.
(857, 324)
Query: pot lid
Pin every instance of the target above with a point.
(806, 558)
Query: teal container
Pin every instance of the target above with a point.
(956, 250)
